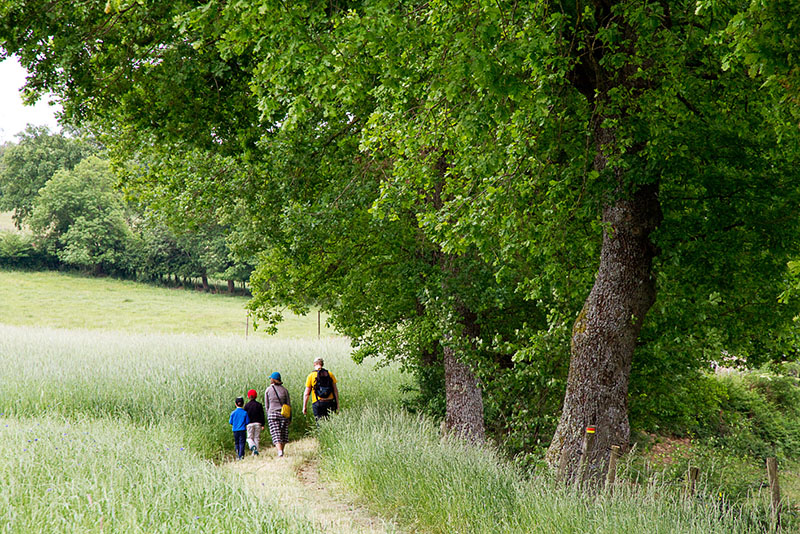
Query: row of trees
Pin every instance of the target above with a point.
(65, 194)
(491, 192)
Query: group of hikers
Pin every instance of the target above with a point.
(247, 420)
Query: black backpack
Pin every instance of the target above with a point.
(323, 388)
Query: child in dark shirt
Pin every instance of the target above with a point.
(255, 412)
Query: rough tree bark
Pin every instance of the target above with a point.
(463, 396)
(605, 333)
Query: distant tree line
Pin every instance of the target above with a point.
(61, 190)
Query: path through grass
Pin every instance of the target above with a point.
(302, 493)
(139, 422)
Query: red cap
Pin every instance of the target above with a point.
(252, 393)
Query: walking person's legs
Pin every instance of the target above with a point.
(240, 437)
(257, 436)
(323, 408)
(320, 410)
(283, 438)
(253, 435)
(279, 431)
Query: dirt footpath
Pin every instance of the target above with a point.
(294, 480)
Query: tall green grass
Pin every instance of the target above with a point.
(186, 382)
(110, 476)
(401, 467)
(118, 432)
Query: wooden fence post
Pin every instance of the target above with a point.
(588, 448)
(775, 491)
(611, 476)
(691, 480)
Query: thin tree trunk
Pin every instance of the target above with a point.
(204, 279)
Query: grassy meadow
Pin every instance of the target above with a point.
(114, 415)
(61, 300)
(104, 475)
(114, 404)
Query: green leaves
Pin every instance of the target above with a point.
(26, 167)
(352, 147)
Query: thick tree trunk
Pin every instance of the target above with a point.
(231, 287)
(605, 333)
(604, 336)
(204, 280)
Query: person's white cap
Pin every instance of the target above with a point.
(318, 359)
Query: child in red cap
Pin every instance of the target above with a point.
(255, 412)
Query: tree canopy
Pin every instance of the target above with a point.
(26, 166)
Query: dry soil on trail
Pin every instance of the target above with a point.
(295, 482)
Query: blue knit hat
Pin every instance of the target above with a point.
(276, 376)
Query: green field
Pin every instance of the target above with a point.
(105, 476)
(6, 222)
(59, 300)
(92, 423)
(114, 404)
